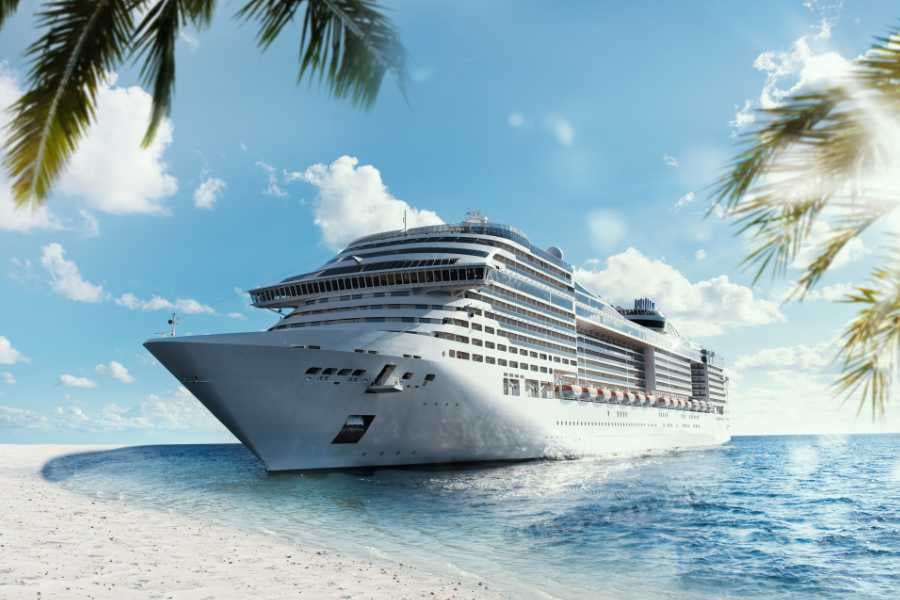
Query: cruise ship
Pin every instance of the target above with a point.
(451, 343)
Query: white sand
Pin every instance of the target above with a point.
(58, 544)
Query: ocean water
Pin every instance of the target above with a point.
(774, 517)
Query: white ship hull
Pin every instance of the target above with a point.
(257, 385)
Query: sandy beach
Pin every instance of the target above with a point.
(58, 544)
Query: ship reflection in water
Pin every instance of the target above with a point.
(799, 517)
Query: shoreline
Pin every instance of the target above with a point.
(58, 543)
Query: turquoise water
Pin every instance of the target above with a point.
(798, 517)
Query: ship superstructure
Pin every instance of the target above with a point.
(451, 343)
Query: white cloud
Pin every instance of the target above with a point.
(353, 201)
(800, 356)
(700, 255)
(26, 218)
(704, 308)
(685, 200)
(834, 292)
(800, 69)
(743, 118)
(12, 417)
(515, 119)
(670, 161)
(8, 354)
(110, 170)
(65, 278)
(606, 228)
(237, 316)
(76, 382)
(272, 187)
(9, 378)
(561, 128)
(819, 235)
(208, 192)
(116, 370)
(187, 306)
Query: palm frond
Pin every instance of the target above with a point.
(155, 42)
(810, 161)
(872, 340)
(348, 43)
(83, 41)
(7, 8)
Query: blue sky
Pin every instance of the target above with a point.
(589, 126)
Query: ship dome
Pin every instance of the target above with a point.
(555, 252)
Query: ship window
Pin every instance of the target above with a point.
(523, 352)
(477, 358)
(513, 350)
(407, 375)
(489, 344)
(476, 341)
(534, 367)
(476, 326)
(462, 355)
(343, 372)
(489, 329)
(315, 347)
(523, 366)
(313, 370)
(452, 353)
(510, 386)
(359, 372)
(328, 371)
(543, 357)
(489, 360)
(555, 359)
(533, 354)
(501, 347)
(513, 364)
(360, 351)
(429, 377)
(531, 388)
(501, 362)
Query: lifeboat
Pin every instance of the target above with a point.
(642, 399)
(630, 397)
(586, 393)
(618, 395)
(568, 391)
(605, 394)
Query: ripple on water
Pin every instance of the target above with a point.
(759, 518)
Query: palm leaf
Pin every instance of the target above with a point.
(155, 42)
(7, 8)
(348, 43)
(82, 42)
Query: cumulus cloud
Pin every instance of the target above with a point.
(176, 410)
(353, 201)
(700, 255)
(606, 228)
(743, 118)
(819, 234)
(834, 292)
(110, 171)
(560, 128)
(801, 356)
(670, 161)
(515, 120)
(11, 218)
(76, 382)
(703, 308)
(9, 378)
(208, 192)
(801, 68)
(8, 354)
(187, 306)
(66, 279)
(116, 370)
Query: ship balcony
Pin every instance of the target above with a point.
(292, 293)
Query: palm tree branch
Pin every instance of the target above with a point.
(155, 40)
(82, 43)
(7, 8)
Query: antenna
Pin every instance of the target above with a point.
(173, 322)
(404, 220)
